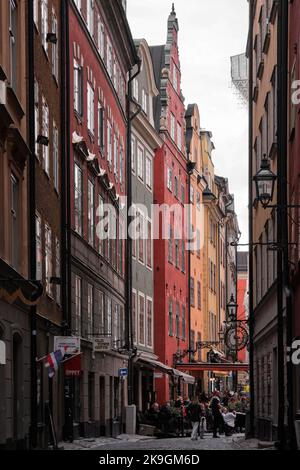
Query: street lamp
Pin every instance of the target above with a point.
(265, 183)
(232, 309)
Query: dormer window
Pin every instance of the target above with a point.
(145, 101)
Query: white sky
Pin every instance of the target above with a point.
(210, 31)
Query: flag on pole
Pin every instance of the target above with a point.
(53, 360)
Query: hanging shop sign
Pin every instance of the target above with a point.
(72, 366)
(236, 338)
(102, 344)
(71, 344)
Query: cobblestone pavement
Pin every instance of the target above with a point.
(237, 442)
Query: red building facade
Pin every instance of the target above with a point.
(170, 188)
(101, 52)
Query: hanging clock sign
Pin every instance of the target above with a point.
(236, 338)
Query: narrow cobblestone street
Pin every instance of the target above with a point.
(237, 442)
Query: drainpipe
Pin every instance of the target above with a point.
(250, 187)
(128, 268)
(32, 227)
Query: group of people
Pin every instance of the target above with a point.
(220, 413)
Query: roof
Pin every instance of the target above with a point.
(158, 59)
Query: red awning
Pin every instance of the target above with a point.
(214, 367)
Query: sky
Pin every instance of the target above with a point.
(210, 32)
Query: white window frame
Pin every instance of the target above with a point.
(133, 154)
(140, 162)
(55, 56)
(90, 108)
(101, 37)
(149, 171)
(116, 155)
(141, 296)
(78, 305)
(145, 100)
(90, 17)
(45, 133)
(91, 212)
(79, 190)
(149, 343)
(172, 126)
(169, 179)
(44, 24)
(90, 311)
(179, 136)
(134, 317)
(55, 157)
(109, 142)
(36, 115)
(48, 258)
(78, 87)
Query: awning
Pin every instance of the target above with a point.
(188, 379)
(155, 364)
(214, 367)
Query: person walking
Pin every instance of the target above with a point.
(194, 412)
(215, 406)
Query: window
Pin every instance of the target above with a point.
(109, 59)
(38, 229)
(90, 109)
(182, 194)
(91, 213)
(170, 317)
(177, 320)
(90, 16)
(134, 242)
(183, 256)
(45, 133)
(175, 81)
(115, 155)
(78, 88)
(149, 323)
(192, 195)
(149, 245)
(116, 326)
(140, 163)
(135, 89)
(55, 157)
(101, 45)
(134, 319)
(141, 238)
(100, 310)
(170, 245)
(13, 31)
(57, 269)
(100, 213)
(145, 99)
(199, 294)
(169, 179)
(177, 253)
(48, 258)
(141, 319)
(179, 136)
(149, 172)
(133, 154)
(192, 281)
(121, 248)
(78, 305)
(108, 316)
(176, 187)
(198, 201)
(14, 221)
(90, 312)
(173, 126)
(78, 199)
(121, 163)
(36, 115)
(100, 126)
(44, 19)
(183, 323)
(54, 46)
(109, 143)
